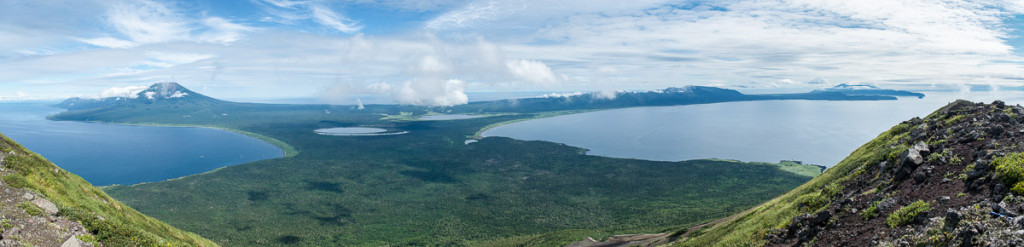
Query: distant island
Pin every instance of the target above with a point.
(869, 90)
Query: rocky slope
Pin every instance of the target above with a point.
(954, 178)
(43, 205)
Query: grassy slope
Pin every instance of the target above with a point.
(113, 222)
(750, 227)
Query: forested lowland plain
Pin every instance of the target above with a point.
(430, 186)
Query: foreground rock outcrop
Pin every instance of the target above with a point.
(947, 180)
(953, 178)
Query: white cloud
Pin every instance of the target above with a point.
(432, 93)
(325, 16)
(560, 95)
(379, 88)
(178, 94)
(607, 94)
(123, 92)
(523, 45)
(109, 42)
(431, 64)
(471, 14)
(146, 22)
(288, 12)
(223, 31)
(175, 58)
(285, 3)
(531, 71)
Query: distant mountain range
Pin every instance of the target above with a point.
(670, 96)
(172, 97)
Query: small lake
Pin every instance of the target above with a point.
(106, 154)
(351, 131)
(448, 117)
(816, 132)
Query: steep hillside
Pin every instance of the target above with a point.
(44, 205)
(953, 178)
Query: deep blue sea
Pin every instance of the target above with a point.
(106, 154)
(816, 132)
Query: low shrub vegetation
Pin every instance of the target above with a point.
(871, 211)
(30, 208)
(907, 213)
(1010, 169)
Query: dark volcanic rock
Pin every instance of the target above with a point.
(946, 163)
(910, 160)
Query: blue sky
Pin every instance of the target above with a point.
(433, 52)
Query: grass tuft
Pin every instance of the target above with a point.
(907, 213)
(1010, 169)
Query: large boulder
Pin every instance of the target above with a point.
(73, 242)
(910, 159)
(47, 206)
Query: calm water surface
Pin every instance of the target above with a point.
(449, 117)
(107, 154)
(349, 131)
(816, 132)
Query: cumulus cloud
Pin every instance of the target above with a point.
(432, 93)
(431, 64)
(131, 92)
(439, 73)
(531, 71)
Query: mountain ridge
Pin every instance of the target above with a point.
(174, 93)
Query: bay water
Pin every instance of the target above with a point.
(106, 154)
(815, 132)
